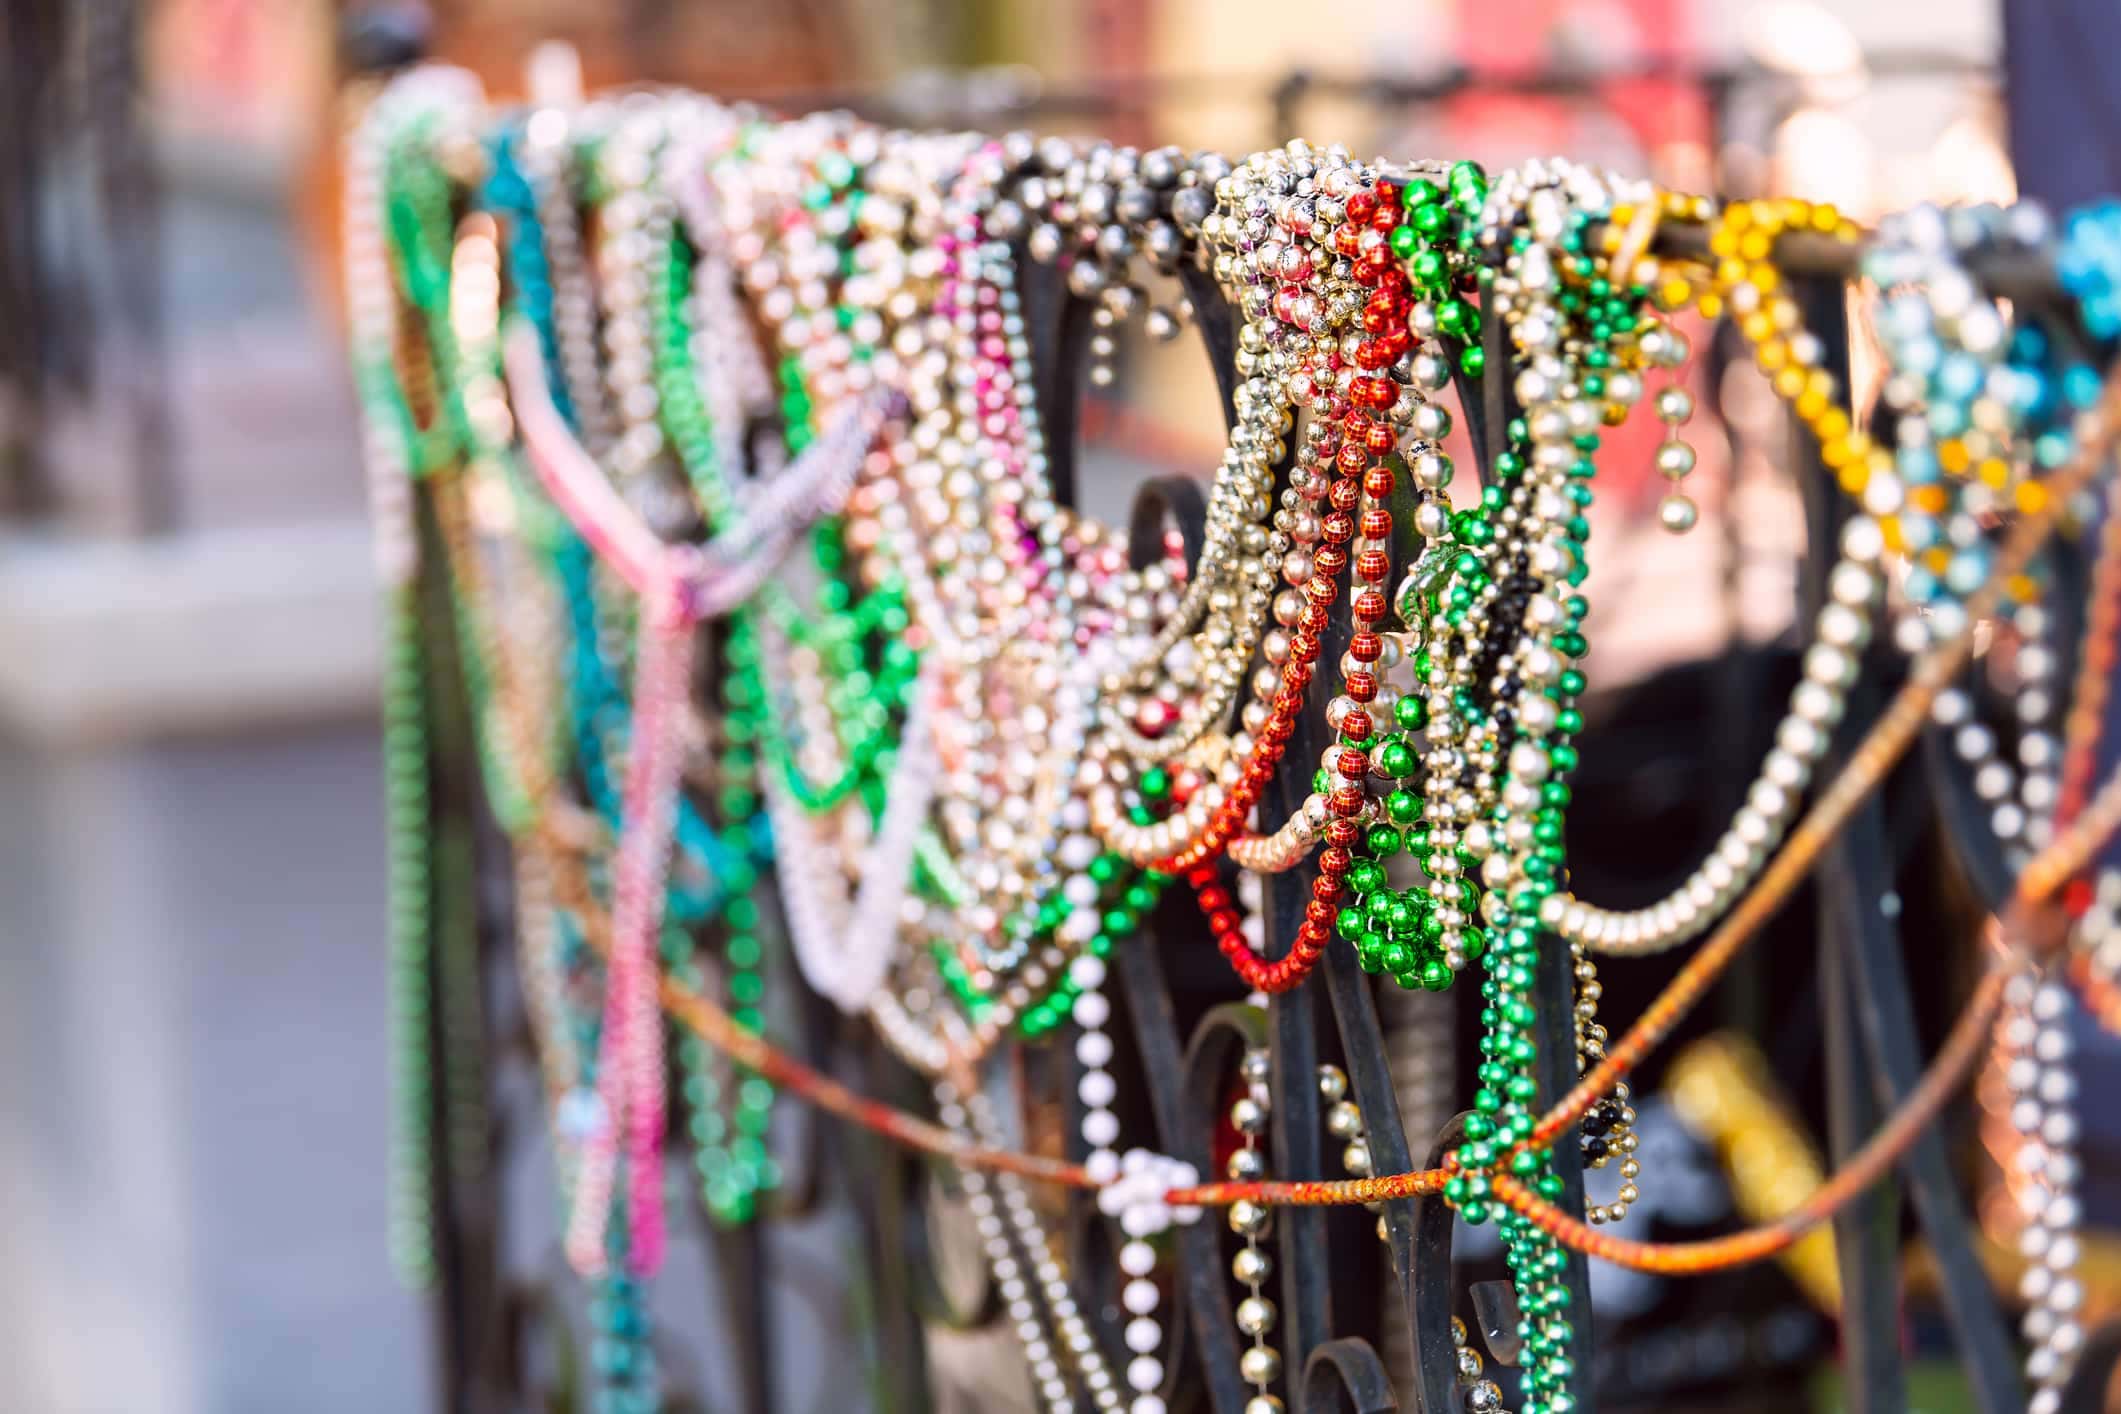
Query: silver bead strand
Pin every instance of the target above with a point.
(1260, 1363)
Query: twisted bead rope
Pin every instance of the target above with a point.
(1962, 1048)
(2102, 647)
(2073, 848)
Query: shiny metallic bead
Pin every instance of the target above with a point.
(1255, 1315)
(1432, 421)
(1190, 206)
(1261, 1365)
(1675, 459)
(1086, 278)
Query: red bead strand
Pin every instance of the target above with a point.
(1368, 437)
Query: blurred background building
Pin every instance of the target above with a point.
(191, 890)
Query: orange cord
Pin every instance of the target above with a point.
(1865, 1167)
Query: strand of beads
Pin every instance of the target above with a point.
(1006, 1262)
(1959, 408)
(626, 1375)
(1517, 634)
(372, 305)
(564, 306)
(729, 1151)
(623, 1354)
(1096, 1088)
(1608, 1127)
(1344, 1122)
(1827, 669)
(2042, 1086)
(1421, 936)
(1134, 1196)
(1483, 1396)
(1841, 629)
(1973, 400)
(1676, 511)
(1360, 404)
(1260, 1364)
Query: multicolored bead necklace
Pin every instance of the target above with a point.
(967, 743)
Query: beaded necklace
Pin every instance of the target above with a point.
(848, 741)
(396, 137)
(1976, 391)
(1079, 997)
(1791, 357)
(1056, 1005)
(732, 1170)
(388, 452)
(1308, 267)
(733, 1163)
(982, 742)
